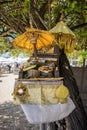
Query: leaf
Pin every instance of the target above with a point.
(84, 54)
(73, 5)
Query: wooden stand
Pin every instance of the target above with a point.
(54, 55)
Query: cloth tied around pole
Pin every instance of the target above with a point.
(33, 38)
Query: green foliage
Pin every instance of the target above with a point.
(16, 51)
(4, 45)
(84, 54)
(55, 12)
(17, 12)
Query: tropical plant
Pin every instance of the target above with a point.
(44, 14)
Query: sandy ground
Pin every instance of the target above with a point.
(11, 115)
(6, 87)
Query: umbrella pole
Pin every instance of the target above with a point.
(33, 40)
(43, 126)
(35, 51)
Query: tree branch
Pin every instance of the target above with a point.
(8, 1)
(4, 33)
(41, 20)
(79, 26)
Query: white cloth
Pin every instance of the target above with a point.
(37, 114)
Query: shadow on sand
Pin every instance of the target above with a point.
(13, 118)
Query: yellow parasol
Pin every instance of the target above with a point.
(34, 39)
(65, 38)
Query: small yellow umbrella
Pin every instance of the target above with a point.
(34, 39)
(65, 38)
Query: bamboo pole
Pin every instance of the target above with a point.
(49, 12)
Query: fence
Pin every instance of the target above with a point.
(80, 75)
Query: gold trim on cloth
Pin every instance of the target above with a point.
(37, 92)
